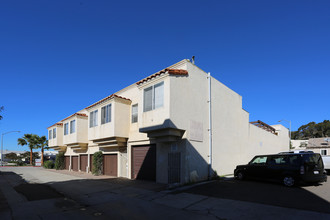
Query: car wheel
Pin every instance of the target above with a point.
(240, 175)
(288, 181)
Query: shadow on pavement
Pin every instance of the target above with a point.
(264, 193)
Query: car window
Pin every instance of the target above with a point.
(259, 160)
(294, 160)
(278, 160)
(313, 159)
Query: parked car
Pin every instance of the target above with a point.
(326, 162)
(287, 167)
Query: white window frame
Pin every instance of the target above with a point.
(153, 97)
(324, 150)
(66, 128)
(50, 134)
(93, 118)
(54, 132)
(135, 113)
(73, 126)
(106, 114)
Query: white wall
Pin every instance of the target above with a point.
(235, 140)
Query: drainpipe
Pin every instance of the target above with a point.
(210, 127)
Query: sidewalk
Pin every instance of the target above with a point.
(125, 199)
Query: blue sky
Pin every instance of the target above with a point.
(57, 57)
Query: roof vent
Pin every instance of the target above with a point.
(193, 60)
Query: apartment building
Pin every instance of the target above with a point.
(176, 126)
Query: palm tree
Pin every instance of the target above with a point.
(42, 143)
(30, 140)
(1, 109)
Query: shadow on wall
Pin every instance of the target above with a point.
(179, 160)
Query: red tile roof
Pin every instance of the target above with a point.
(106, 98)
(170, 72)
(59, 124)
(78, 114)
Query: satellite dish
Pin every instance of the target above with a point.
(327, 139)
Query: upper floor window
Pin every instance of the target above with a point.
(134, 113)
(72, 126)
(323, 152)
(106, 114)
(66, 128)
(153, 97)
(54, 133)
(50, 134)
(93, 118)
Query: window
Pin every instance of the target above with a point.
(153, 97)
(72, 126)
(93, 118)
(278, 160)
(106, 114)
(50, 134)
(259, 160)
(134, 113)
(324, 152)
(66, 128)
(54, 133)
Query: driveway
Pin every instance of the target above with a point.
(37, 193)
(313, 198)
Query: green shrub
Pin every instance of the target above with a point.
(20, 163)
(49, 164)
(97, 163)
(60, 161)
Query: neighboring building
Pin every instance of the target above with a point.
(158, 129)
(48, 154)
(319, 145)
(18, 153)
(299, 144)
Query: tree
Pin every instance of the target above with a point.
(31, 141)
(42, 143)
(97, 163)
(1, 109)
(312, 130)
(11, 156)
(60, 161)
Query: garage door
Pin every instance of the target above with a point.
(75, 163)
(110, 164)
(83, 162)
(144, 162)
(67, 162)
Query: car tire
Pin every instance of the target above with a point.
(288, 181)
(240, 175)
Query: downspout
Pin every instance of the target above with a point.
(210, 172)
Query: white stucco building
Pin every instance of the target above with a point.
(175, 126)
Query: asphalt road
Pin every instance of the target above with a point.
(313, 198)
(37, 193)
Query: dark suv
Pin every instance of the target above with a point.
(287, 167)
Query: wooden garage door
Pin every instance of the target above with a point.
(144, 162)
(67, 162)
(75, 163)
(110, 164)
(83, 162)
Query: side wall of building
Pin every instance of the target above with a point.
(234, 140)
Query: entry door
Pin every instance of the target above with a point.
(258, 167)
(83, 162)
(144, 162)
(174, 167)
(75, 163)
(67, 162)
(110, 164)
(91, 163)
